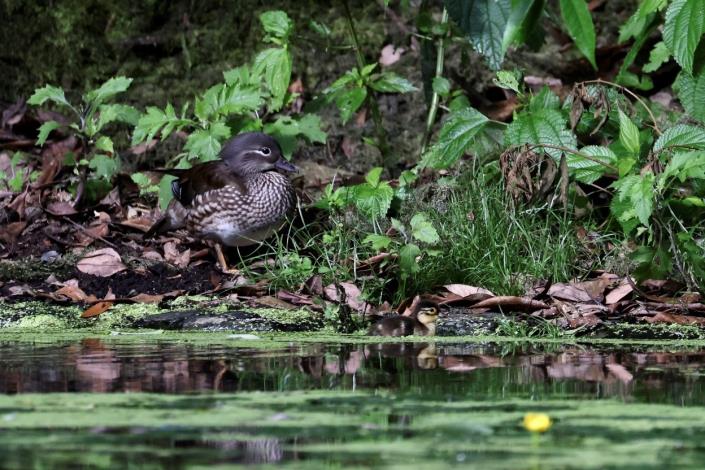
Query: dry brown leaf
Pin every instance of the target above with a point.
(589, 291)
(10, 232)
(464, 290)
(96, 309)
(352, 296)
(273, 302)
(618, 293)
(173, 256)
(390, 55)
(511, 302)
(663, 317)
(72, 292)
(104, 263)
(142, 224)
(147, 298)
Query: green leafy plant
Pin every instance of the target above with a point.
(90, 118)
(248, 99)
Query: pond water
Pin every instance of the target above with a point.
(106, 402)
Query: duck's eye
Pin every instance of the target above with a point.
(265, 150)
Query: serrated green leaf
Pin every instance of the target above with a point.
(653, 262)
(105, 144)
(635, 26)
(287, 130)
(373, 201)
(683, 30)
(310, 127)
(275, 66)
(422, 229)
(117, 112)
(484, 22)
(544, 99)
(349, 101)
(638, 192)
(628, 134)
(507, 79)
(373, 176)
(458, 132)
(204, 144)
(104, 166)
(658, 56)
(108, 90)
(681, 135)
(150, 123)
(48, 93)
(691, 93)
(546, 126)
(276, 23)
(45, 130)
(578, 20)
(378, 242)
(390, 82)
(684, 165)
(588, 170)
(407, 260)
(144, 183)
(165, 193)
(441, 86)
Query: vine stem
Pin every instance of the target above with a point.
(371, 102)
(633, 95)
(433, 109)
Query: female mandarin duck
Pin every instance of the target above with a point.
(239, 200)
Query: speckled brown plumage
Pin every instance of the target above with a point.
(236, 201)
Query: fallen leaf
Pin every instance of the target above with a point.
(10, 232)
(273, 302)
(96, 309)
(511, 302)
(172, 255)
(618, 293)
(147, 298)
(463, 290)
(104, 263)
(390, 55)
(72, 292)
(663, 317)
(352, 295)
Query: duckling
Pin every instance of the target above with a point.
(421, 322)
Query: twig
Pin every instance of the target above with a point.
(633, 95)
(83, 229)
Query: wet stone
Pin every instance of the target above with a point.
(464, 324)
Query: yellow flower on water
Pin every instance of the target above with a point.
(537, 422)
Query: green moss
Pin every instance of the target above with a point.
(33, 269)
(40, 322)
(664, 331)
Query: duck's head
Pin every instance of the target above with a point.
(254, 152)
(426, 312)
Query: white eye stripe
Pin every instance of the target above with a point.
(264, 151)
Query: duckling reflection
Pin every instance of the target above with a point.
(421, 322)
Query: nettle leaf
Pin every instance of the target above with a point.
(108, 90)
(45, 130)
(390, 82)
(577, 19)
(659, 55)
(422, 229)
(684, 165)
(373, 176)
(48, 93)
(287, 130)
(378, 242)
(636, 24)
(441, 86)
(691, 93)
(458, 132)
(407, 260)
(373, 201)
(241, 76)
(637, 191)
(104, 166)
(683, 30)
(681, 135)
(587, 171)
(484, 22)
(545, 126)
(105, 144)
(509, 80)
(276, 23)
(545, 99)
(204, 144)
(275, 65)
(150, 123)
(628, 134)
(349, 101)
(144, 183)
(117, 112)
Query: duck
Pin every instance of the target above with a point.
(421, 322)
(238, 200)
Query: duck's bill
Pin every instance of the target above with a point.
(283, 165)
